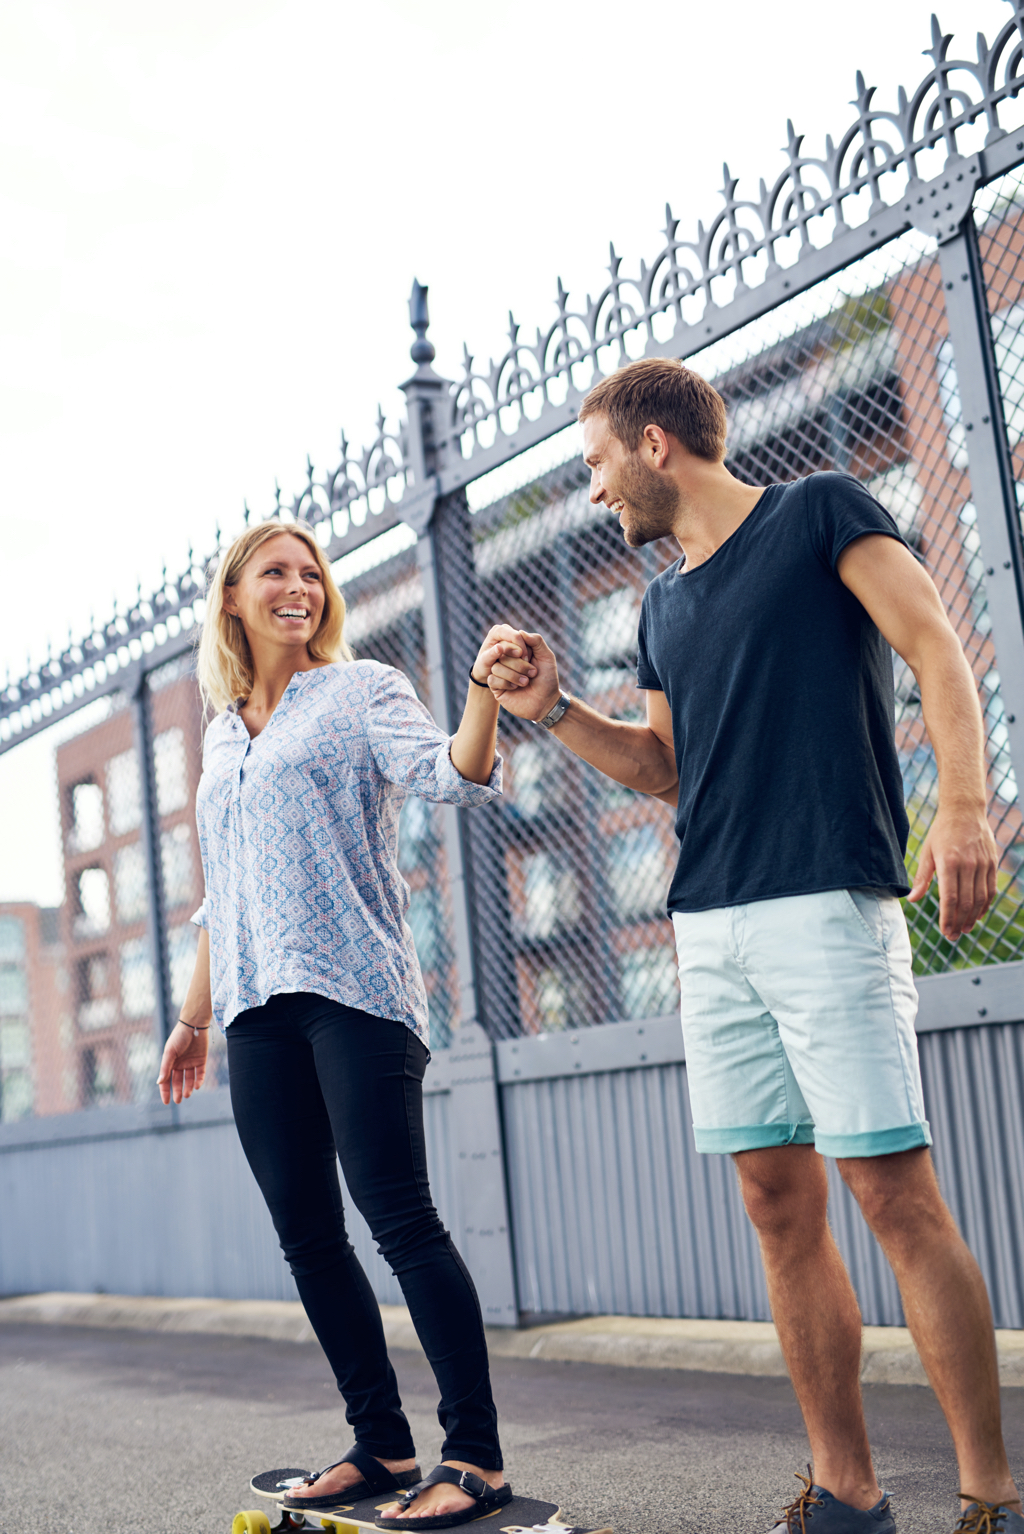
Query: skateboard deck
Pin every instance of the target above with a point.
(523, 1515)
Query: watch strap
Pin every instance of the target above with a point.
(550, 720)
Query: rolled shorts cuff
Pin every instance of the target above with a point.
(877, 1142)
(744, 1137)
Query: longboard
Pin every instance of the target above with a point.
(523, 1515)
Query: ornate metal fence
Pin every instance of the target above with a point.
(864, 312)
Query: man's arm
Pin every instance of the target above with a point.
(901, 598)
(641, 756)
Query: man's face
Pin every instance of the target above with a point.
(645, 501)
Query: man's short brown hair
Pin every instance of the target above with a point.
(658, 392)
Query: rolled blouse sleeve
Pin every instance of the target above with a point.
(413, 753)
(201, 918)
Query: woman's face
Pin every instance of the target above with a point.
(279, 595)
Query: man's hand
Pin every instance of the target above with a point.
(901, 598)
(961, 850)
(505, 644)
(540, 694)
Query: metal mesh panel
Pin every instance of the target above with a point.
(868, 386)
(76, 970)
(385, 623)
(855, 375)
(587, 863)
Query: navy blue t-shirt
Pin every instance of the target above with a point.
(781, 691)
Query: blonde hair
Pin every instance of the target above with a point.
(224, 662)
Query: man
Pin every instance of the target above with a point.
(764, 655)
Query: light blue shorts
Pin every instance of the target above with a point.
(798, 1024)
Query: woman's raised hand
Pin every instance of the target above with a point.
(504, 659)
(183, 1066)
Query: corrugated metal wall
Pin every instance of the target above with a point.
(128, 1208)
(612, 1209)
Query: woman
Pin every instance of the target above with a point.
(306, 961)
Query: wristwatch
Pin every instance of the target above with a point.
(550, 720)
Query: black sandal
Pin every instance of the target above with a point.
(487, 1499)
(375, 1479)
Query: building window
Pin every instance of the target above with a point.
(638, 871)
(608, 625)
(12, 939)
(16, 1095)
(15, 1045)
(1003, 778)
(181, 958)
(86, 817)
(98, 1077)
(649, 982)
(124, 792)
(975, 562)
(131, 890)
(138, 982)
(423, 923)
(178, 868)
(551, 896)
(415, 836)
(143, 1059)
(537, 778)
(171, 771)
(97, 1008)
(560, 999)
(13, 991)
(93, 899)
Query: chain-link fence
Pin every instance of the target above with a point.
(565, 880)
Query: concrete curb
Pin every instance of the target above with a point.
(721, 1347)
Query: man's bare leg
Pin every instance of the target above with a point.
(785, 1191)
(946, 1306)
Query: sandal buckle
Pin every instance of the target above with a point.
(471, 1484)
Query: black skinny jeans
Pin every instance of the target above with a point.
(313, 1081)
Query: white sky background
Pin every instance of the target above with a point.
(212, 213)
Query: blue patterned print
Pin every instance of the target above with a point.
(299, 833)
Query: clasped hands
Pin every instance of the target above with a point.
(520, 669)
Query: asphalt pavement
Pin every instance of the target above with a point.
(131, 1432)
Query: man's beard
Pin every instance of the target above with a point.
(651, 501)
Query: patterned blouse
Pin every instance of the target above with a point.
(298, 831)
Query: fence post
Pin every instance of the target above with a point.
(449, 612)
(989, 465)
(163, 1018)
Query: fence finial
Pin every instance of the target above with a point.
(422, 351)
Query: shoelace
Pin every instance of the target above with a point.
(807, 1500)
(983, 1518)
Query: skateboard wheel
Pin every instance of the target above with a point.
(251, 1523)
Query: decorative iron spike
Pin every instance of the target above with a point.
(422, 351)
(246, 514)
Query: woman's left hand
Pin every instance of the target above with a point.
(504, 659)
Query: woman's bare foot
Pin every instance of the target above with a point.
(343, 1476)
(436, 1501)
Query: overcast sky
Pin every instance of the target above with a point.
(213, 211)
